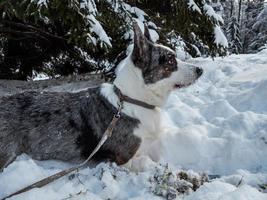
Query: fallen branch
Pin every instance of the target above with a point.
(62, 173)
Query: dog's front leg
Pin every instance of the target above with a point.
(6, 159)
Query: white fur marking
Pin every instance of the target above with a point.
(131, 83)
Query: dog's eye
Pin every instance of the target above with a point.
(166, 71)
(172, 60)
(162, 60)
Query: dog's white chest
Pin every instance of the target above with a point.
(149, 130)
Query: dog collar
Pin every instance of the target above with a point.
(125, 98)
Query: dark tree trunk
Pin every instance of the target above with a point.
(232, 8)
(239, 11)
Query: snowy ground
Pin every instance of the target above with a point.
(221, 129)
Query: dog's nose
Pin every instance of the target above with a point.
(199, 71)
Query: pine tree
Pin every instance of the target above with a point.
(217, 5)
(229, 10)
(239, 11)
(195, 21)
(41, 34)
(77, 36)
(252, 10)
(233, 35)
(247, 13)
(260, 28)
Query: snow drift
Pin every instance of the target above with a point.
(219, 127)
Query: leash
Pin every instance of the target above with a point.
(107, 134)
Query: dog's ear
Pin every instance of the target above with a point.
(147, 34)
(141, 46)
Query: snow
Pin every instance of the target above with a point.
(179, 45)
(40, 2)
(222, 116)
(140, 17)
(90, 6)
(222, 191)
(95, 25)
(39, 76)
(139, 13)
(97, 28)
(194, 6)
(210, 12)
(220, 129)
(220, 38)
(261, 24)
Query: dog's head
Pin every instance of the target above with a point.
(161, 70)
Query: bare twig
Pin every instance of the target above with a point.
(239, 183)
(79, 180)
(76, 194)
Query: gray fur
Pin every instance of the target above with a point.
(63, 126)
(155, 62)
(147, 34)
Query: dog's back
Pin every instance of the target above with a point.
(64, 126)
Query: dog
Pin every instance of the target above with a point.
(68, 126)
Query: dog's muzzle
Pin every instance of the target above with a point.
(199, 71)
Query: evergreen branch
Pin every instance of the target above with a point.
(27, 34)
(32, 28)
